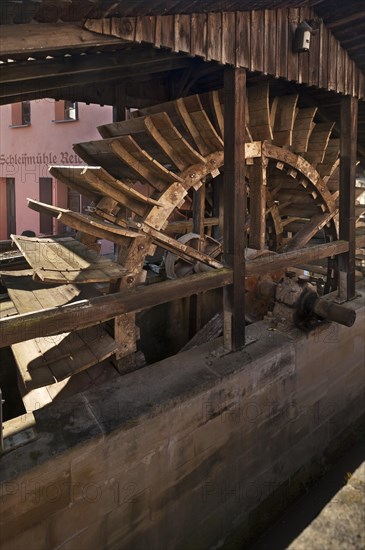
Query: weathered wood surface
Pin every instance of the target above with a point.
(38, 397)
(7, 309)
(235, 202)
(241, 39)
(258, 201)
(185, 226)
(211, 330)
(90, 312)
(347, 217)
(66, 260)
(28, 295)
(81, 222)
(24, 39)
(31, 78)
(47, 360)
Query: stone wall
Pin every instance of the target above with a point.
(179, 454)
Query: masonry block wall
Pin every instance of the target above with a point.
(178, 455)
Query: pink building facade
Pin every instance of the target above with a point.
(28, 146)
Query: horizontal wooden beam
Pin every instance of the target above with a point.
(55, 74)
(80, 64)
(86, 313)
(18, 40)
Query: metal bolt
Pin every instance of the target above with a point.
(141, 247)
(130, 280)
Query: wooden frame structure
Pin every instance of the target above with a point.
(129, 51)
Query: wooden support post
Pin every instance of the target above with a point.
(235, 201)
(218, 205)
(195, 309)
(120, 103)
(198, 212)
(348, 142)
(258, 203)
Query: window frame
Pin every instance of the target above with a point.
(64, 108)
(18, 114)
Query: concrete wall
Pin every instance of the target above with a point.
(179, 454)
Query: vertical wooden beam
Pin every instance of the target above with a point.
(235, 201)
(195, 306)
(120, 101)
(198, 211)
(218, 205)
(348, 147)
(258, 203)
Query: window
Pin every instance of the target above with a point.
(20, 114)
(66, 111)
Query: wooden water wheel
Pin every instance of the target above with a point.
(170, 149)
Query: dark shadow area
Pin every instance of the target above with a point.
(13, 405)
(304, 510)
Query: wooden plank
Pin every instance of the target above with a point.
(78, 77)
(293, 58)
(97, 182)
(243, 39)
(195, 303)
(311, 228)
(90, 312)
(284, 120)
(214, 36)
(313, 60)
(270, 42)
(257, 41)
(282, 43)
(257, 179)
(235, 203)
(122, 27)
(228, 38)
(302, 130)
(199, 35)
(217, 112)
(347, 218)
(27, 295)
(7, 308)
(186, 226)
(341, 76)
(270, 264)
(323, 56)
(148, 29)
(165, 133)
(46, 361)
(318, 142)
(198, 125)
(25, 39)
(184, 33)
(81, 222)
(49, 72)
(259, 112)
(66, 260)
(332, 63)
(141, 163)
(167, 31)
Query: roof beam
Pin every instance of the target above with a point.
(19, 80)
(18, 40)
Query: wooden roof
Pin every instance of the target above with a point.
(346, 20)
